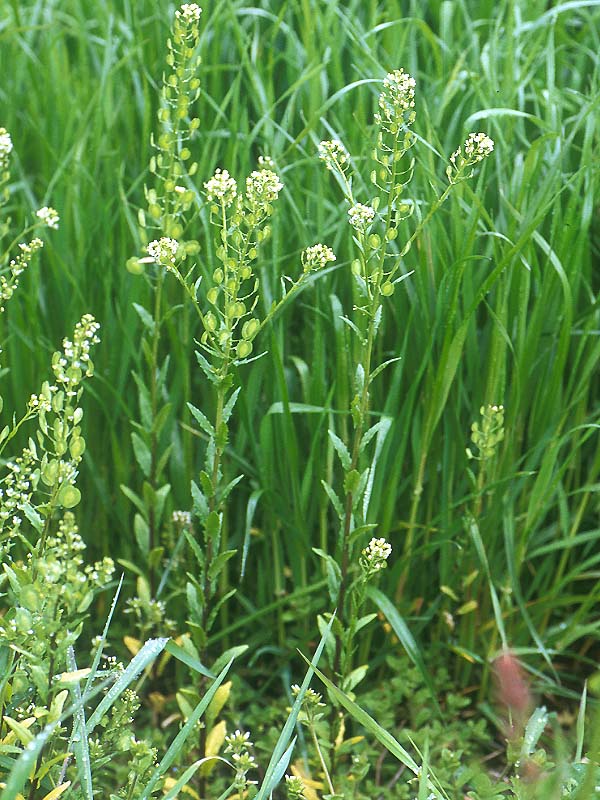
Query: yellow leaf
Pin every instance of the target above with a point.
(214, 742)
(57, 791)
(217, 703)
(17, 797)
(467, 607)
(20, 729)
(133, 645)
(170, 783)
(215, 739)
(309, 785)
(73, 677)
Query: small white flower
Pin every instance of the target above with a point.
(361, 216)
(189, 12)
(262, 188)
(375, 555)
(478, 146)
(221, 188)
(332, 153)
(163, 250)
(396, 99)
(182, 518)
(6, 144)
(317, 257)
(49, 217)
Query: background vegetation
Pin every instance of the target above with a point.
(501, 308)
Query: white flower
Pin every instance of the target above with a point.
(478, 146)
(262, 188)
(182, 518)
(189, 12)
(332, 153)
(49, 217)
(397, 98)
(317, 257)
(375, 555)
(361, 216)
(163, 250)
(221, 188)
(6, 144)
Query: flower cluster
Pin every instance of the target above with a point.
(374, 556)
(163, 251)
(221, 188)
(16, 267)
(317, 257)
(361, 216)
(262, 188)
(49, 217)
(182, 519)
(333, 154)
(396, 99)
(295, 787)
(266, 162)
(238, 744)
(70, 365)
(18, 489)
(487, 435)
(6, 147)
(476, 147)
(189, 12)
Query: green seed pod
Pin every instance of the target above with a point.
(218, 275)
(154, 211)
(245, 273)
(356, 267)
(210, 322)
(185, 153)
(69, 496)
(250, 329)
(374, 240)
(212, 295)
(391, 234)
(244, 349)
(133, 265)
(77, 447)
(387, 289)
(192, 247)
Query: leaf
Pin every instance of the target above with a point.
(142, 454)
(400, 628)
(335, 501)
(341, 450)
(282, 752)
(334, 573)
(229, 405)
(177, 744)
(182, 655)
(136, 666)
(146, 318)
(203, 421)
(373, 727)
(250, 509)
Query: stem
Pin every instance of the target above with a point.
(322, 760)
(153, 477)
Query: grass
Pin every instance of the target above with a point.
(501, 306)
